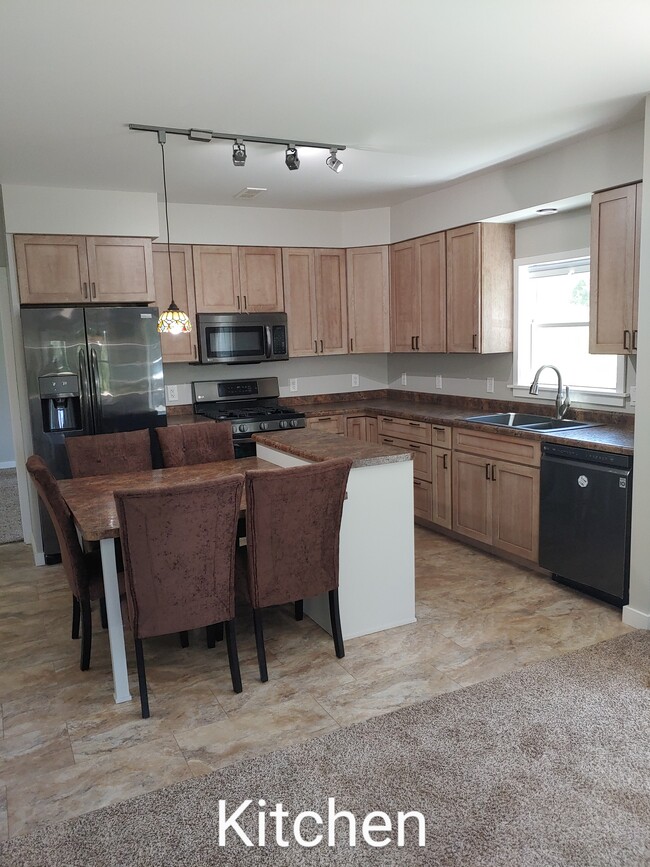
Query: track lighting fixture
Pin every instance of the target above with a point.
(239, 153)
(333, 162)
(291, 158)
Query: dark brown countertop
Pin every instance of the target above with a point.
(314, 445)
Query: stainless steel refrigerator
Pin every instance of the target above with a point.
(90, 370)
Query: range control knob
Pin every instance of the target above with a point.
(294, 422)
(243, 428)
(284, 424)
(264, 425)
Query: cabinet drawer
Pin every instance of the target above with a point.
(421, 456)
(498, 447)
(441, 436)
(423, 499)
(411, 431)
(328, 423)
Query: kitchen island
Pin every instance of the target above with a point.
(377, 558)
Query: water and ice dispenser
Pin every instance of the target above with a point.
(60, 402)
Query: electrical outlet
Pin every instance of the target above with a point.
(355, 380)
(438, 381)
(403, 379)
(293, 385)
(172, 393)
(633, 394)
(490, 384)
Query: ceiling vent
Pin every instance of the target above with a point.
(250, 192)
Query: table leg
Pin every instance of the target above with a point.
(115, 625)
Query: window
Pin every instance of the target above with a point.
(553, 328)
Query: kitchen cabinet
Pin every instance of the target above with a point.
(238, 279)
(496, 491)
(327, 423)
(75, 269)
(315, 296)
(368, 299)
(362, 428)
(418, 288)
(176, 347)
(480, 288)
(614, 289)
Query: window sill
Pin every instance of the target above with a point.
(591, 397)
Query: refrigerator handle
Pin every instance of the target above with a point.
(97, 404)
(86, 415)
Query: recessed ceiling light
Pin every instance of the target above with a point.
(547, 210)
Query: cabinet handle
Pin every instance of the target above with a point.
(418, 484)
(316, 347)
(388, 440)
(386, 419)
(324, 418)
(415, 424)
(494, 472)
(321, 346)
(634, 333)
(195, 352)
(414, 446)
(351, 344)
(238, 303)
(626, 339)
(487, 472)
(93, 290)
(417, 342)
(474, 341)
(444, 461)
(441, 429)
(413, 343)
(84, 290)
(245, 304)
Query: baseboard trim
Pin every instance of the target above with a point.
(635, 618)
(7, 465)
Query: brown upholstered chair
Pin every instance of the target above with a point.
(179, 556)
(83, 571)
(293, 521)
(200, 443)
(102, 454)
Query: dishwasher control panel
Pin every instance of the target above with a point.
(588, 456)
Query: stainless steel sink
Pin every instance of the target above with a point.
(526, 421)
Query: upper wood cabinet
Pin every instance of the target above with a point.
(368, 299)
(418, 303)
(176, 347)
(238, 279)
(315, 298)
(480, 288)
(614, 291)
(73, 269)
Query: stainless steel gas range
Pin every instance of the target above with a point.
(250, 405)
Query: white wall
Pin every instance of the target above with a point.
(556, 233)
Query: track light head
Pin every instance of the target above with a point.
(291, 158)
(333, 162)
(239, 153)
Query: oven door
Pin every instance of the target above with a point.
(244, 448)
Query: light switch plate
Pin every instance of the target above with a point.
(490, 384)
(172, 393)
(355, 380)
(633, 394)
(438, 381)
(403, 379)
(293, 385)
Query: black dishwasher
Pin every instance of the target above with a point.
(584, 528)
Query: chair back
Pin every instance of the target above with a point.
(178, 544)
(293, 522)
(72, 555)
(200, 443)
(103, 454)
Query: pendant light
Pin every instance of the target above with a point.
(172, 320)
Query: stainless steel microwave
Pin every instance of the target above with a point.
(242, 338)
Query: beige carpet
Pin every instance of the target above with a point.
(10, 526)
(547, 766)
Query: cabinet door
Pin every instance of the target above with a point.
(516, 509)
(472, 499)
(422, 499)
(176, 347)
(300, 300)
(463, 289)
(637, 257)
(216, 279)
(260, 276)
(404, 298)
(356, 428)
(368, 299)
(327, 423)
(331, 302)
(372, 432)
(441, 487)
(431, 260)
(52, 269)
(613, 270)
(121, 269)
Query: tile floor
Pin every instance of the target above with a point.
(66, 748)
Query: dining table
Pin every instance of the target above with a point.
(92, 504)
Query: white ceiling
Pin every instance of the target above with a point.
(421, 91)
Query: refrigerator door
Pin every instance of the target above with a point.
(55, 352)
(126, 372)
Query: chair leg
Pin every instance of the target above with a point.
(233, 656)
(259, 643)
(76, 617)
(211, 635)
(102, 612)
(142, 679)
(219, 633)
(184, 638)
(297, 609)
(335, 620)
(86, 634)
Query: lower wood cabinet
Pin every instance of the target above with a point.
(327, 423)
(496, 499)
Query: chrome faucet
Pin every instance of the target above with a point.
(562, 400)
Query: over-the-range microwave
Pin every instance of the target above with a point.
(242, 338)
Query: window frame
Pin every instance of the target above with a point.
(520, 388)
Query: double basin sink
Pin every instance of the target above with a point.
(525, 421)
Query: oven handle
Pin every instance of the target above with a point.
(267, 340)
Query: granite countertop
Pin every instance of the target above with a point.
(314, 445)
